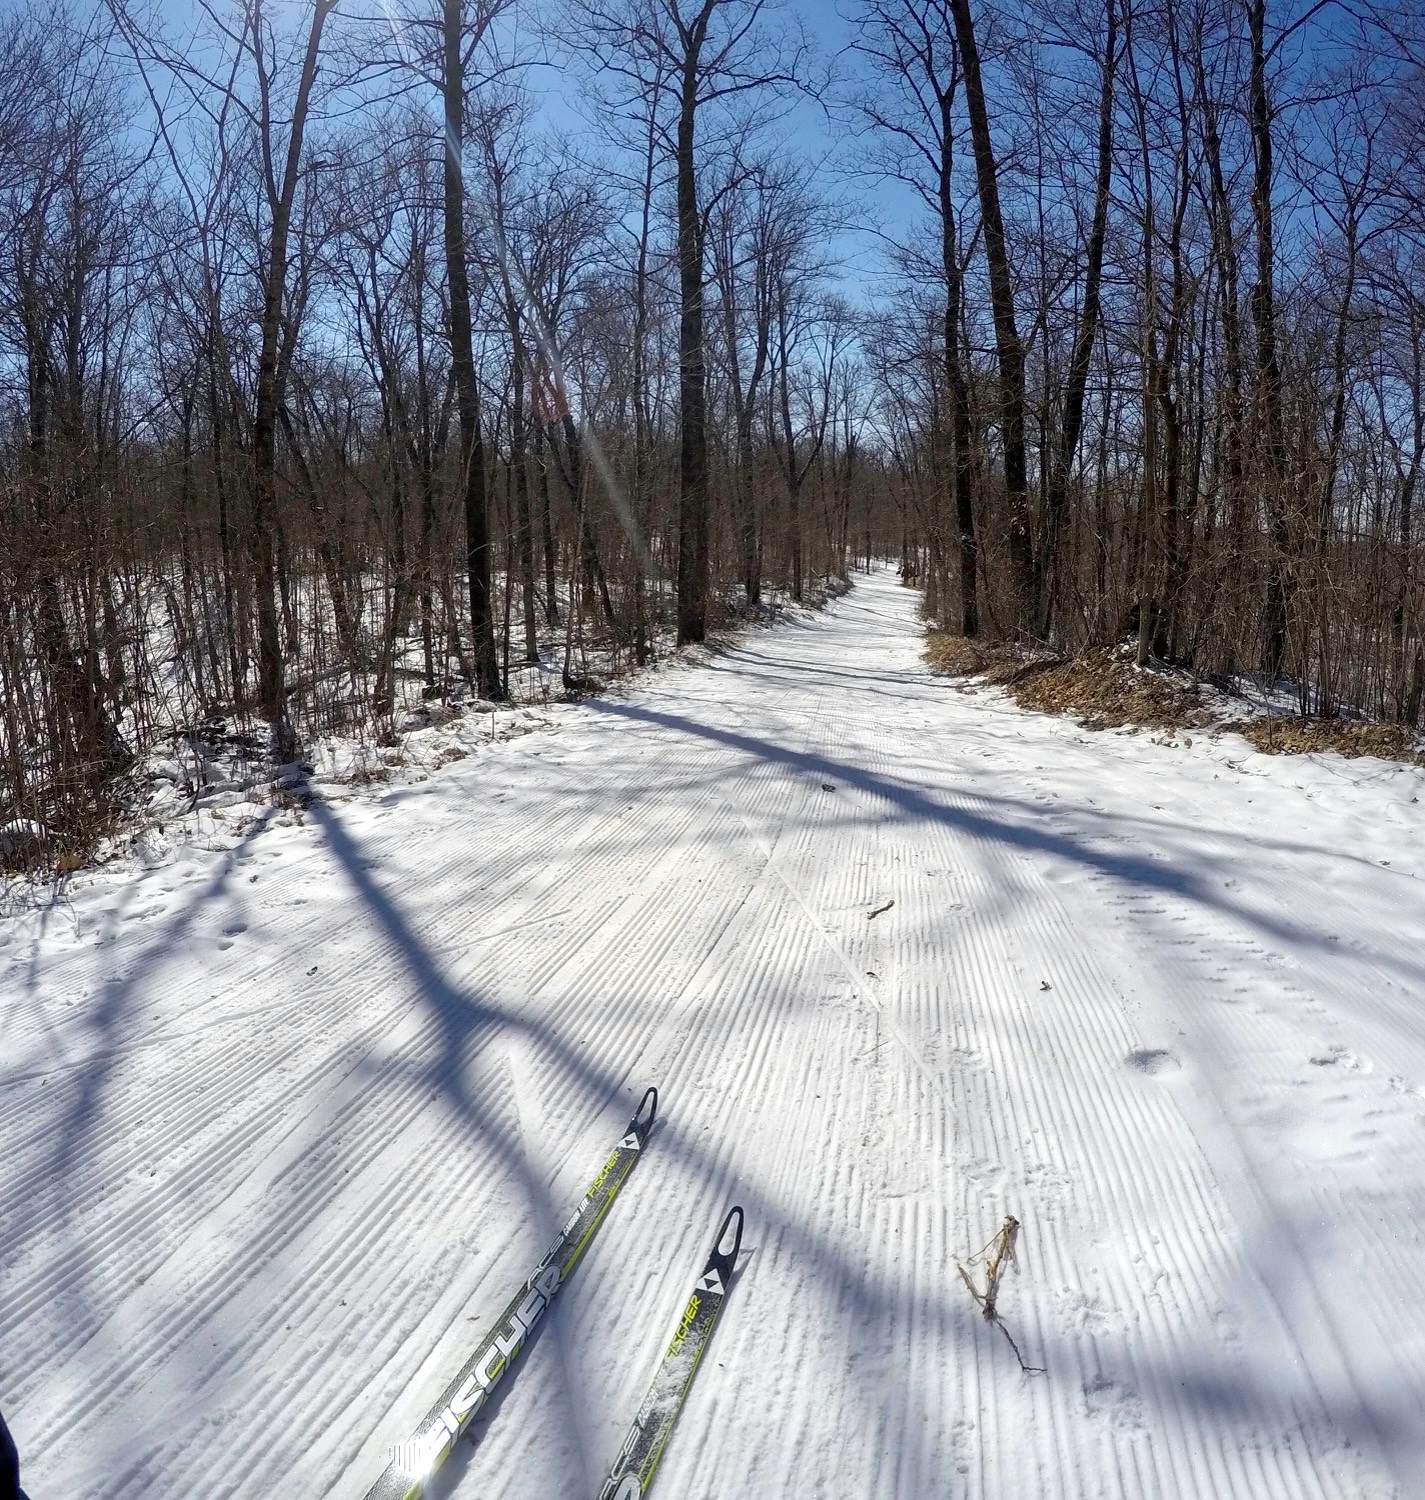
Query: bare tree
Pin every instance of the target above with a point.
(689, 57)
(912, 44)
(1008, 347)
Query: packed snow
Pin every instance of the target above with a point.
(286, 1123)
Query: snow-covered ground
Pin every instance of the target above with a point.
(282, 1126)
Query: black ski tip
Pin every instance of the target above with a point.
(650, 1102)
(733, 1224)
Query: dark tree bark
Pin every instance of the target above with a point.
(271, 675)
(962, 432)
(692, 366)
(1056, 498)
(1009, 349)
(462, 357)
(1269, 384)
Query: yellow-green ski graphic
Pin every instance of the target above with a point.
(637, 1461)
(413, 1462)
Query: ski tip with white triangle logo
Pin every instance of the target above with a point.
(723, 1260)
(642, 1123)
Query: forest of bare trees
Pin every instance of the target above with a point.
(1163, 380)
(339, 371)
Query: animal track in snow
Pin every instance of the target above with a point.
(1104, 1397)
(230, 932)
(1153, 1061)
(1083, 1312)
(1336, 1054)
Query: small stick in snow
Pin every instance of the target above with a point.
(1000, 1251)
(872, 915)
(1001, 1256)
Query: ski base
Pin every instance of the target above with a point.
(638, 1459)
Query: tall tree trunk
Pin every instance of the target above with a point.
(957, 386)
(546, 523)
(692, 379)
(471, 467)
(1269, 391)
(642, 488)
(524, 525)
(1230, 423)
(1008, 348)
(1056, 500)
(272, 695)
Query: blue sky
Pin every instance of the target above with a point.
(805, 133)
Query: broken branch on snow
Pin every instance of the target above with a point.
(998, 1255)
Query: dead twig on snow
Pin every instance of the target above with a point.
(998, 1255)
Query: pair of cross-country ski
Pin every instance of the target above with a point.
(413, 1463)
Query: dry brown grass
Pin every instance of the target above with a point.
(370, 775)
(955, 655)
(1279, 735)
(1103, 689)
(1099, 689)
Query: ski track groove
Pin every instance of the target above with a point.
(348, 1177)
(1139, 1190)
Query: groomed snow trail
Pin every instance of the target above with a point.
(283, 1127)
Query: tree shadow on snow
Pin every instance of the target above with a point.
(1003, 821)
(855, 1298)
(46, 1200)
(456, 1024)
